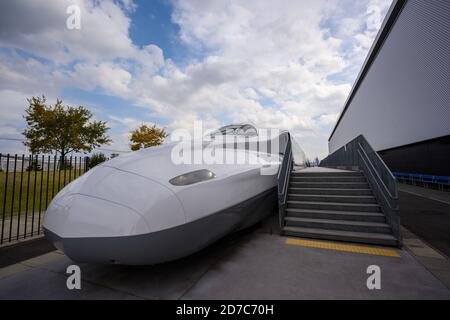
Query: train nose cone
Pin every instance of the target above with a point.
(77, 215)
(74, 222)
(93, 217)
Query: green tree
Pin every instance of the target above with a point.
(34, 165)
(147, 136)
(96, 159)
(62, 129)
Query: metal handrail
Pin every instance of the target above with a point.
(283, 180)
(359, 153)
(377, 182)
(390, 178)
(378, 175)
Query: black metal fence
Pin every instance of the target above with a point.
(27, 185)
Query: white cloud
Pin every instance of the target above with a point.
(129, 5)
(40, 27)
(113, 79)
(14, 104)
(328, 119)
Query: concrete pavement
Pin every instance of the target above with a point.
(255, 264)
(431, 194)
(24, 250)
(426, 213)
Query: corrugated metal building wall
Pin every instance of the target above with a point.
(404, 95)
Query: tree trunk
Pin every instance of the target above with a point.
(62, 160)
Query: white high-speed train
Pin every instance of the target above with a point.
(145, 208)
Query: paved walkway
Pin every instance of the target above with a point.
(426, 212)
(256, 264)
(426, 193)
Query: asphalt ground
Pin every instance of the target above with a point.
(253, 264)
(426, 217)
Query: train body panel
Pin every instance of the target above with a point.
(140, 209)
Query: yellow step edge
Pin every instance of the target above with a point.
(343, 247)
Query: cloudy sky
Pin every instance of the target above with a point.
(277, 64)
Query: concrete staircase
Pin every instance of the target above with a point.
(335, 205)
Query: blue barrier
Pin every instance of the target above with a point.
(423, 178)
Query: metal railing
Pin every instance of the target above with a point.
(441, 183)
(27, 185)
(283, 181)
(359, 153)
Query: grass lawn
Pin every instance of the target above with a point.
(38, 187)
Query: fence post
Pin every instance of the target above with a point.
(28, 195)
(20, 198)
(40, 196)
(12, 198)
(34, 195)
(4, 198)
(48, 181)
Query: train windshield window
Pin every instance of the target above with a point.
(249, 131)
(242, 130)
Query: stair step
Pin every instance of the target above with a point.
(334, 174)
(329, 185)
(366, 207)
(331, 191)
(332, 198)
(328, 179)
(345, 225)
(339, 235)
(337, 215)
